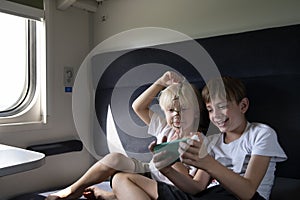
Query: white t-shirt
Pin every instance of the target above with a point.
(257, 139)
(158, 127)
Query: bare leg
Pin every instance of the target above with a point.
(134, 187)
(98, 173)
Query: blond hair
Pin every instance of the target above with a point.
(183, 91)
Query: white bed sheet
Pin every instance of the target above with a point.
(104, 185)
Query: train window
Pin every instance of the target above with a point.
(22, 69)
(14, 65)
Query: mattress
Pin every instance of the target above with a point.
(42, 195)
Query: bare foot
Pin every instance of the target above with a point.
(52, 197)
(65, 194)
(95, 193)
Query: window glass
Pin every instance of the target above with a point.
(14, 69)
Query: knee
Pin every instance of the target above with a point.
(120, 178)
(113, 160)
(117, 179)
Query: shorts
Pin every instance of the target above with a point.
(170, 192)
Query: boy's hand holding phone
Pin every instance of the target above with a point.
(166, 153)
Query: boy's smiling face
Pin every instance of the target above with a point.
(228, 116)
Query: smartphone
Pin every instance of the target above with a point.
(171, 146)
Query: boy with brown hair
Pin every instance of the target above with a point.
(237, 163)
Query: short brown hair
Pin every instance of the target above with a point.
(226, 87)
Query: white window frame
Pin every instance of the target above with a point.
(33, 109)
